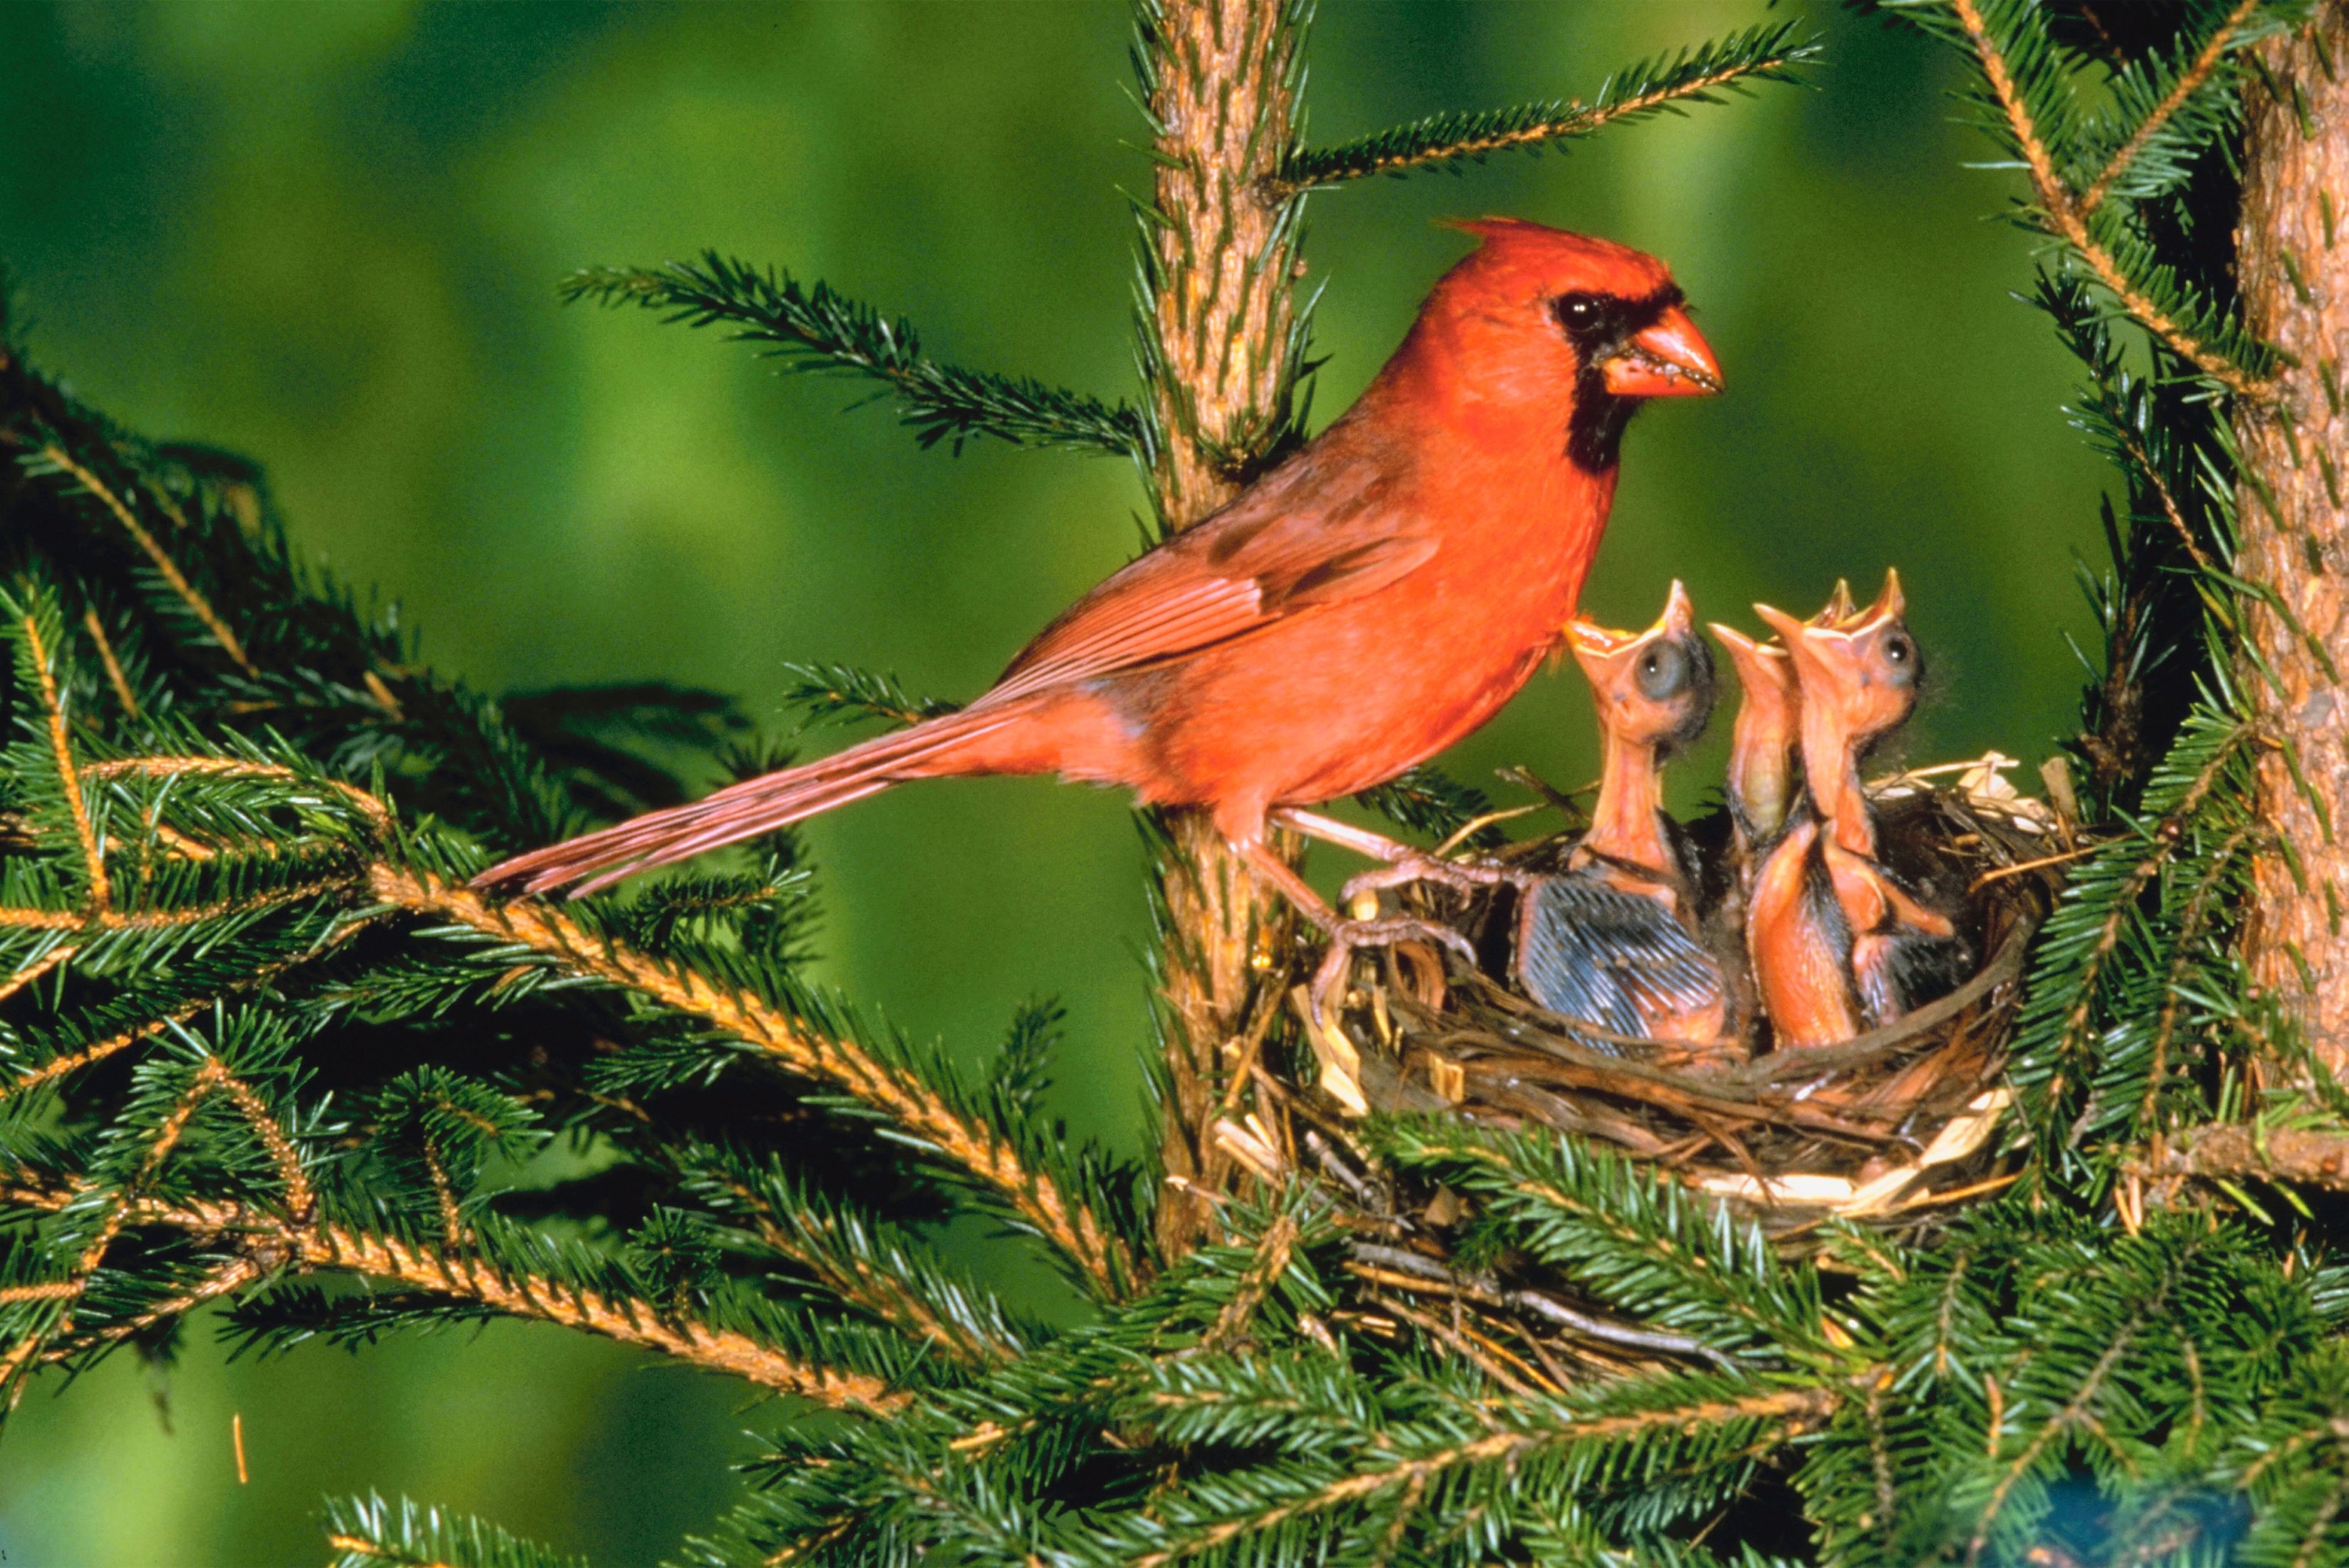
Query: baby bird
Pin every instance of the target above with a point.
(1838, 945)
(1611, 940)
(1762, 782)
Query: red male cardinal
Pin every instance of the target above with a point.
(1369, 601)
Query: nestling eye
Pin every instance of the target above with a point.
(1661, 671)
(1898, 650)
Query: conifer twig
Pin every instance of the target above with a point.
(165, 567)
(818, 328)
(311, 1247)
(1764, 54)
(61, 743)
(1789, 1411)
(2311, 1156)
(2188, 83)
(1068, 1225)
(114, 676)
(2069, 220)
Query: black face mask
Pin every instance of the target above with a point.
(1599, 326)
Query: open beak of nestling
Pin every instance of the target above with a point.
(1668, 358)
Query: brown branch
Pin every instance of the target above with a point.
(630, 1323)
(1069, 1226)
(1797, 1410)
(2192, 923)
(2171, 102)
(377, 813)
(120, 681)
(1574, 119)
(42, 919)
(301, 1203)
(2067, 220)
(164, 565)
(1263, 1272)
(312, 1247)
(1496, 1361)
(70, 1290)
(2075, 1412)
(877, 1292)
(98, 1050)
(2312, 1157)
(61, 743)
(2169, 507)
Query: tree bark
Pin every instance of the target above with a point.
(2294, 269)
(1219, 320)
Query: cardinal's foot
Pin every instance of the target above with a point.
(1421, 867)
(1348, 936)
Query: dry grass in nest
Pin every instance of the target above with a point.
(1894, 1122)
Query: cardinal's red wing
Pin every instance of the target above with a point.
(1232, 575)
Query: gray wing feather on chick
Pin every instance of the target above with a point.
(1591, 952)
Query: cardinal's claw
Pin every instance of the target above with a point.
(1348, 936)
(1416, 867)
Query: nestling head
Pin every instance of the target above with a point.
(1653, 687)
(1558, 333)
(1862, 667)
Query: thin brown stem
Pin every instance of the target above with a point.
(2067, 220)
(1067, 1224)
(1794, 1411)
(61, 745)
(377, 814)
(1573, 119)
(2186, 87)
(314, 1247)
(1263, 1272)
(114, 676)
(165, 567)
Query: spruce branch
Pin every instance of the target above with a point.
(2157, 137)
(1675, 1420)
(816, 328)
(2315, 1155)
(2085, 939)
(912, 1106)
(54, 458)
(2017, 54)
(845, 694)
(1429, 801)
(369, 1532)
(1692, 76)
(288, 1245)
(864, 1263)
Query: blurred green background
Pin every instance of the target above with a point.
(327, 235)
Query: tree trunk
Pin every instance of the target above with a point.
(2294, 529)
(1223, 99)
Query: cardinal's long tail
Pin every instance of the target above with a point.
(932, 748)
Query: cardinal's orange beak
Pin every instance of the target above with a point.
(1670, 359)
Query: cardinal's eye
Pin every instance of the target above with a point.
(1898, 650)
(1579, 313)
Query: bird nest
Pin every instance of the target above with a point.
(1894, 1120)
